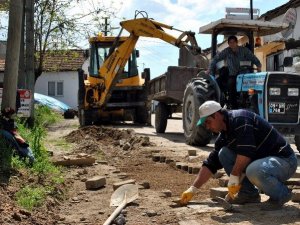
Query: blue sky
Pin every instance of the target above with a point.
(184, 15)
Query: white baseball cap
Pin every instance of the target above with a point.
(206, 109)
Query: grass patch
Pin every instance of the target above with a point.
(62, 144)
(30, 197)
(49, 176)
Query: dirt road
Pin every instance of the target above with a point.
(154, 205)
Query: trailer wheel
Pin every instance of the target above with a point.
(196, 93)
(161, 117)
(297, 142)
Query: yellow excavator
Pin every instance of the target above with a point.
(113, 90)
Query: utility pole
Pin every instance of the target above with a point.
(12, 54)
(251, 9)
(21, 76)
(105, 26)
(29, 61)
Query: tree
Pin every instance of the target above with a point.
(12, 56)
(66, 24)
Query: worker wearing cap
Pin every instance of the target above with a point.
(252, 152)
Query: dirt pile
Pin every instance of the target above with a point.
(92, 139)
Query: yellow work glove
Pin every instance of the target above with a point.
(233, 186)
(188, 195)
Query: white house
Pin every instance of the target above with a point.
(60, 77)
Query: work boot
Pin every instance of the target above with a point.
(242, 198)
(272, 204)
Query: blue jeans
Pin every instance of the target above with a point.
(267, 174)
(23, 152)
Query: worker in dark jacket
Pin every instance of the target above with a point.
(234, 55)
(252, 152)
(9, 133)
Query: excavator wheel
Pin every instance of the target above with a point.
(161, 117)
(84, 119)
(196, 93)
(297, 142)
(141, 115)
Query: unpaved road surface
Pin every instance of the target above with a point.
(155, 205)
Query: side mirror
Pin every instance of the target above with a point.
(137, 53)
(288, 61)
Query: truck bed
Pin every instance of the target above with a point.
(169, 87)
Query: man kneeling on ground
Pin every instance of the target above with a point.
(253, 153)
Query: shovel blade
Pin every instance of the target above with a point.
(126, 193)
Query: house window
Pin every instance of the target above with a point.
(55, 88)
(60, 88)
(51, 88)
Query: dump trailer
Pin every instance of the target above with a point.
(113, 90)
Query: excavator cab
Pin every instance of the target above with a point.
(99, 51)
(128, 97)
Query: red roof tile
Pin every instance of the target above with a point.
(59, 61)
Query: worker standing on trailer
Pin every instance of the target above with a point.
(252, 152)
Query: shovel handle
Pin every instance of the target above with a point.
(115, 214)
(117, 211)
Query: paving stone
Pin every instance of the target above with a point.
(192, 152)
(296, 195)
(293, 181)
(178, 165)
(185, 167)
(196, 169)
(95, 182)
(218, 192)
(119, 184)
(156, 158)
(162, 159)
(297, 174)
(168, 161)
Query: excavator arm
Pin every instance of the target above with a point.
(113, 66)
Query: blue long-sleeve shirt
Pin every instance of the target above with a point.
(249, 135)
(233, 59)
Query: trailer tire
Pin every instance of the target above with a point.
(297, 142)
(196, 93)
(161, 117)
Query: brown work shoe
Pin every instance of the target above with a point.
(241, 199)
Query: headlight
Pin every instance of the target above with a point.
(293, 91)
(274, 91)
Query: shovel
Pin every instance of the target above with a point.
(121, 197)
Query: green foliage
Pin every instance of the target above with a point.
(30, 197)
(49, 176)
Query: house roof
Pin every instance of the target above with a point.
(60, 60)
(64, 60)
(269, 15)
